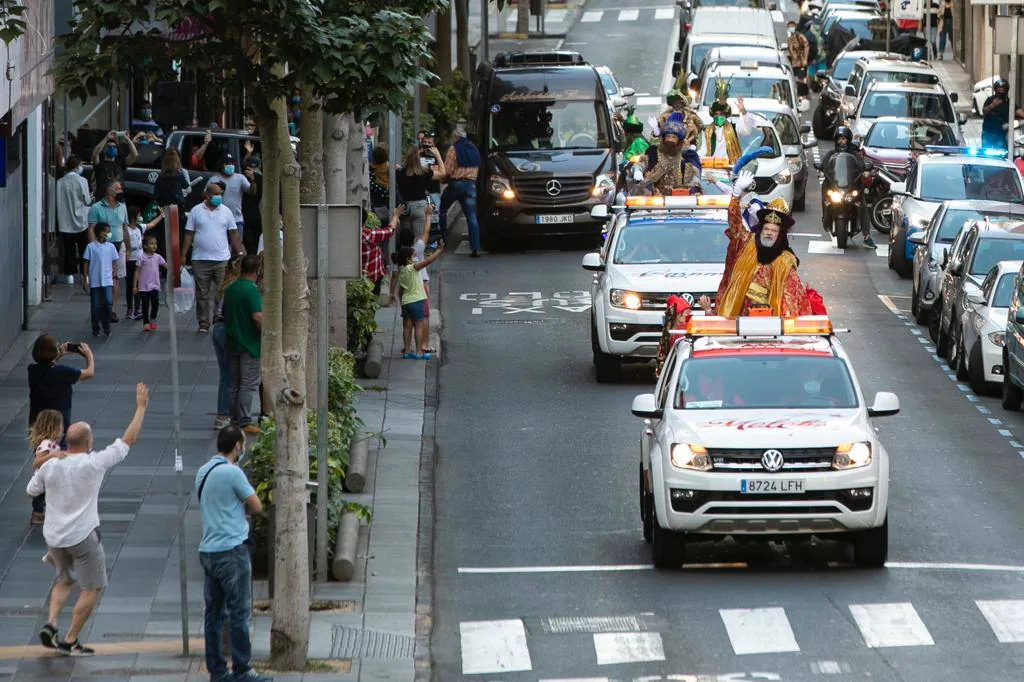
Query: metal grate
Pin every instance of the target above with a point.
(349, 642)
(571, 625)
(570, 190)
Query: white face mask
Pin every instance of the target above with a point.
(791, 31)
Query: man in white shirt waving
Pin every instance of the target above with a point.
(72, 482)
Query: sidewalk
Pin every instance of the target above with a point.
(956, 79)
(136, 629)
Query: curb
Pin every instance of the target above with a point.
(425, 531)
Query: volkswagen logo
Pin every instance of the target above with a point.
(772, 460)
(688, 298)
(553, 188)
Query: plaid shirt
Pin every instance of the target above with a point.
(373, 253)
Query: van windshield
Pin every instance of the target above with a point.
(573, 124)
(753, 87)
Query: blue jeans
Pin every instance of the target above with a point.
(220, 347)
(101, 303)
(464, 192)
(227, 592)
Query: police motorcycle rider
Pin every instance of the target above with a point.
(843, 145)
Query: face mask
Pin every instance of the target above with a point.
(110, 152)
(791, 31)
(719, 120)
(147, 114)
(229, 169)
(296, 99)
(215, 200)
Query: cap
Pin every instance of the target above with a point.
(228, 158)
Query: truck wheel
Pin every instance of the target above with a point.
(646, 507)
(1012, 395)
(607, 367)
(667, 548)
(871, 547)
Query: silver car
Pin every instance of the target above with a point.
(933, 243)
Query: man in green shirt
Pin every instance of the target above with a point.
(243, 322)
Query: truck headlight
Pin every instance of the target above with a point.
(690, 456)
(499, 186)
(623, 298)
(783, 177)
(796, 164)
(997, 338)
(852, 456)
(603, 185)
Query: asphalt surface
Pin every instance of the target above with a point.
(537, 474)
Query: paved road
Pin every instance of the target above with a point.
(537, 475)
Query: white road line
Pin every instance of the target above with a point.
(591, 16)
(664, 13)
(1006, 432)
(649, 101)
(882, 251)
(887, 302)
(759, 631)
(581, 679)
(823, 247)
(810, 234)
(628, 14)
(555, 16)
(1005, 617)
(594, 568)
(494, 646)
(478, 311)
(628, 647)
(890, 625)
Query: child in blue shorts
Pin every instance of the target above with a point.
(413, 300)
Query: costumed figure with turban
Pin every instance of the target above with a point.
(672, 166)
(760, 266)
(721, 138)
(679, 102)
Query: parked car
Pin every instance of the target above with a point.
(982, 91)
(884, 70)
(1013, 349)
(933, 243)
(791, 133)
(979, 349)
(980, 245)
(940, 176)
(892, 142)
(618, 96)
(735, 55)
(914, 100)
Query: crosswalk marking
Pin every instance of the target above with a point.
(629, 14)
(592, 15)
(829, 247)
(664, 13)
(494, 646)
(759, 631)
(648, 101)
(1005, 617)
(555, 16)
(890, 625)
(578, 679)
(628, 647)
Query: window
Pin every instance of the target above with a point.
(843, 67)
(760, 136)
(994, 249)
(549, 124)
(215, 151)
(752, 87)
(764, 382)
(943, 181)
(908, 104)
(905, 136)
(1004, 290)
(690, 241)
(666, 378)
(952, 221)
(898, 77)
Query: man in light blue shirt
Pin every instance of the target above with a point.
(225, 497)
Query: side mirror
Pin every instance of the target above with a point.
(849, 91)
(592, 262)
(953, 97)
(646, 407)
(599, 212)
(975, 298)
(628, 92)
(961, 117)
(619, 102)
(805, 128)
(822, 75)
(885, 405)
(956, 267)
(917, 238)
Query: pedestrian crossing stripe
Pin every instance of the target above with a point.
(502, 646)
(595, 15)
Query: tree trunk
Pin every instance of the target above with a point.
(312, 191)
(522, 16)
(356, 167)
(443, 46)
(336, 136)
(285, 308)
(462, 38)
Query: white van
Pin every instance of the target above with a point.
(718, 26)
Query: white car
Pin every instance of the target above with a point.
(651, 252)
(618, 96)
(772, 175)
(752, 80)
(982, 91)
(905, 100)
(759, 434)
(983, 328)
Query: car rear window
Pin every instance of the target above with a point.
(948, 181)
(991, 251)
(908, 104)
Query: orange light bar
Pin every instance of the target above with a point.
(714, 200)
(639, 202)
(714, 162)
(807, 324)
(680, 192)
(710, 325)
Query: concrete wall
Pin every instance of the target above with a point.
(12, 241)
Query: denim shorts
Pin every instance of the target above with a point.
(414, 311)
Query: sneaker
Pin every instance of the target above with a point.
(75, 648)
(152, 326)
(113, 318)
(221, 421)
(251, 675)
(38, 518)
(204, 330)
(474, 254)
(48, 636)
(870, 243)
(251, 428)
(70, 279)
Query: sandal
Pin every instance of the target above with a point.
(432, 351)
(409, 356)
(421, 356)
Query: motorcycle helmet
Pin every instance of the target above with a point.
(841, 133)
(1000, 84)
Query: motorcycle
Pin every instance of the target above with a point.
(843, 200)
(875, 186)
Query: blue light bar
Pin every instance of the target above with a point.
(991, 153)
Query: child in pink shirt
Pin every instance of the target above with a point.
(147, 282)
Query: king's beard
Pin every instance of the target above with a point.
(767, 253)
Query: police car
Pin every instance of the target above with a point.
(656, 248)
(758, 428)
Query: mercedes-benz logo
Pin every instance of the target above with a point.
(688, 298)
(772, 460)
(553, 188)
